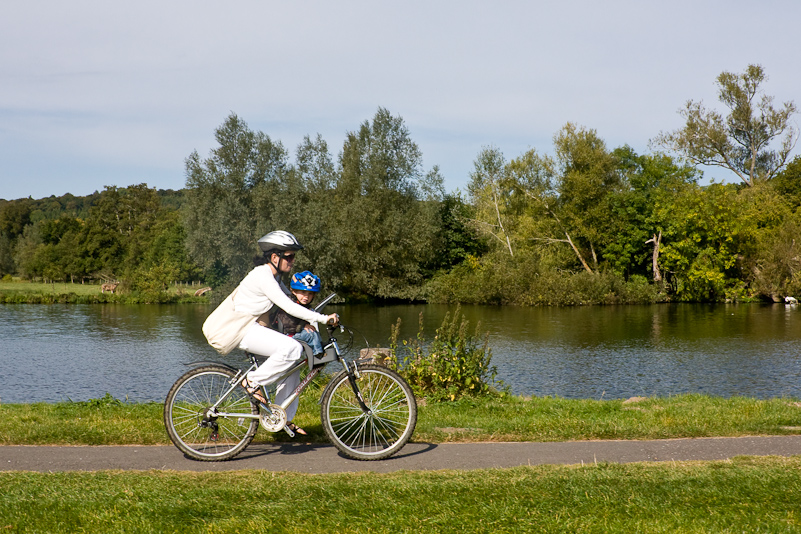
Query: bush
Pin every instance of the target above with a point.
(522, 282)
(455, 364)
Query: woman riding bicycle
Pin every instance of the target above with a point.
(257, 293)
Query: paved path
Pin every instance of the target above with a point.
(310, 458)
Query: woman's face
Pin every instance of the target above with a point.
(285, 261)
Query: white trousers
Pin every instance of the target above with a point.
(283, 352)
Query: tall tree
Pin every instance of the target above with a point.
(491, 197)
(221, 217)
(306, 207)
(14, 216)
(638, 210)
(569, 195)
(384, 228)
(743, 141)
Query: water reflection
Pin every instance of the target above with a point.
(55, 352)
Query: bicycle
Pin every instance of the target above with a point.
(368, 411)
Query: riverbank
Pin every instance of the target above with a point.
(109, 421)
(20, 292)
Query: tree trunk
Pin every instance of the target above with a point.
(580, 257)
(500, 222)
(656, 240)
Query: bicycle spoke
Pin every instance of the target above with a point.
(383, 430)
(199, 434)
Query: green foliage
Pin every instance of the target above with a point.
(492, 200)
(589, 225)
(788, 183)
(701, 241)
(103, 402)
(127, 235)
(649, 183)
(741, 141)
(776, 262)
(14, 217)
(527, 281)
(724, 241)
(367, 226)
(455, 241)
(385, 214)
(231, 198)
(456, 363)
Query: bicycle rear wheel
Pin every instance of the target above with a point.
(385, 429)
(193, 430)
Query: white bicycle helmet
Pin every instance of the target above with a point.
(279, 241)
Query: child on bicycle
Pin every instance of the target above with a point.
(304, 286)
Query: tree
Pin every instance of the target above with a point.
(7, 265)
(165, 258)
(588, 177)
(490, 195)
(304, 203)
(455, 240)
(638, 218)
(384, 228)
(221, 216)
(788, 183)
(14, 217)
(742, 141)
(707, 235)
(25, 249)
(119, 230)
(571, 192)
(776, 263)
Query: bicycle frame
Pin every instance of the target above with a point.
(201, 424)
(351, 370)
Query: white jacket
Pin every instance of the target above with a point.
(259, 290)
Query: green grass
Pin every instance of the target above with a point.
(740, 495)
(111, 422)
(20, 292)
(21, 287)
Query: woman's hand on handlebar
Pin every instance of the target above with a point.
(333, 320)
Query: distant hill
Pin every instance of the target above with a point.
(69, 205)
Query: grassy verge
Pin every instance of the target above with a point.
(111, 422)
(741, 495)
(18, 292)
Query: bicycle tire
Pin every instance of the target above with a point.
(382, 432)
(200, 437)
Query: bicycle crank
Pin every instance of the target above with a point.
(274, 420)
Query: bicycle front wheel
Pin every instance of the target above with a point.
(381, 431)
(201, 435)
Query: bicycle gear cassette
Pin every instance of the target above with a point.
(274, 420)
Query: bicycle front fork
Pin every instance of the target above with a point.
(353, 375)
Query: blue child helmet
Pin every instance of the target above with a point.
(305, 281)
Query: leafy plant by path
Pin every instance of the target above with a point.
(455, 364)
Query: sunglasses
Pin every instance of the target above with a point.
(288, 257)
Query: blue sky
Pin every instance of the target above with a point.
(98, 93)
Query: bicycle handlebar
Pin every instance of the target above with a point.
(325, 301)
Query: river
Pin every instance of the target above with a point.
(52, 353)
